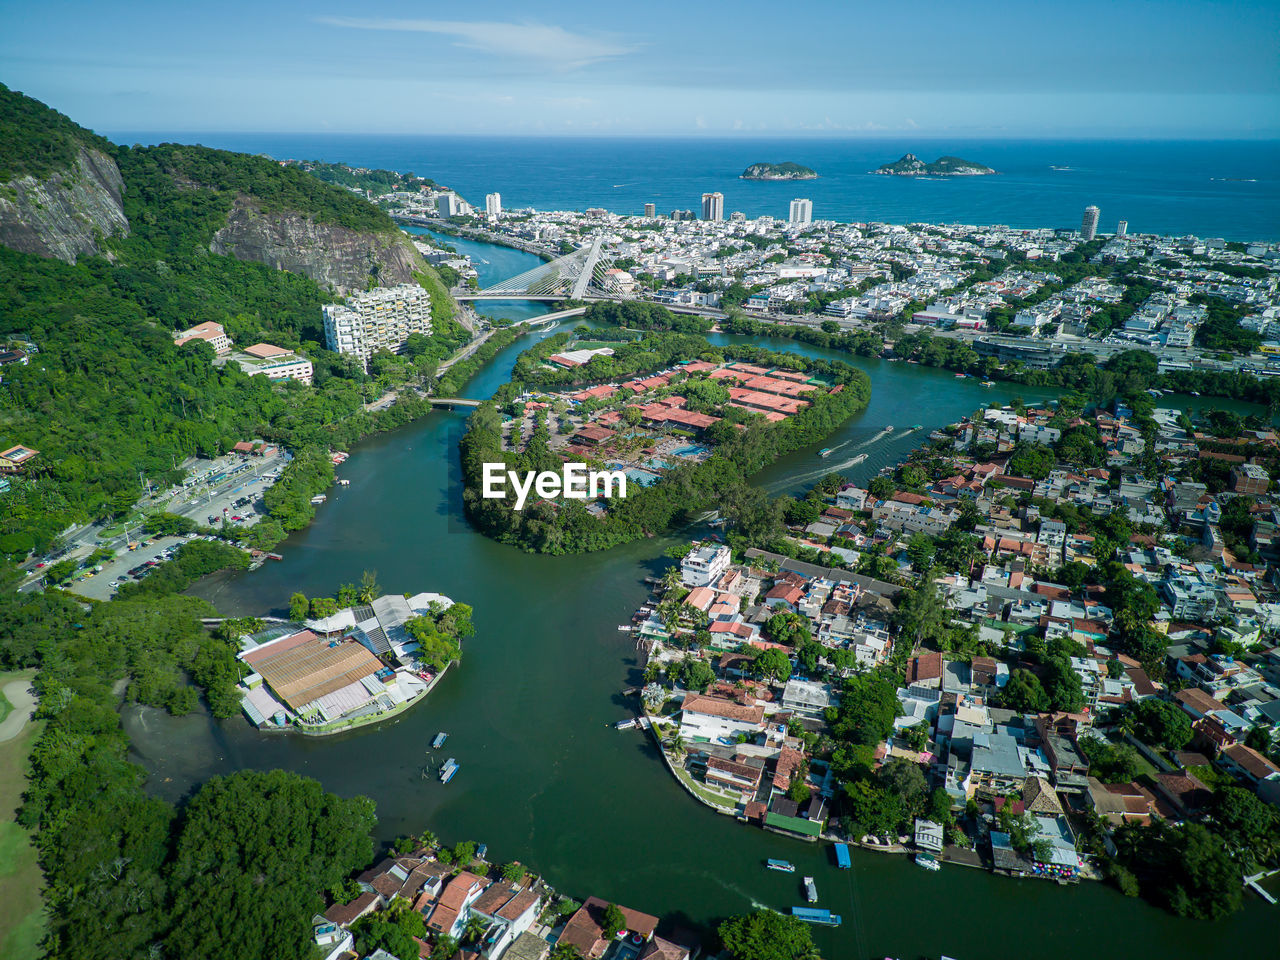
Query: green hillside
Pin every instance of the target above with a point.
(36, 140)
(108, 395)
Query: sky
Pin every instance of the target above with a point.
(687, 68)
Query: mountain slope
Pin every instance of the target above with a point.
(60, 189)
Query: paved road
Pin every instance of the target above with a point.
(18, 693)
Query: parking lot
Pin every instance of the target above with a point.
(236, 490)
(102, 585)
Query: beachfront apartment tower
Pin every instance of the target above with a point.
(450, 205)
(1122, 228)
(801, 212)
(650, 210)
(1089, 222)
(713, 206)
(381, 319)
(492, 204)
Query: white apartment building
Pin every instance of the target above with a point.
(703, 565)
(452, 205)
(492, 204)
(381, 319)
(801, 212)
(1089, 222)
(713, 206)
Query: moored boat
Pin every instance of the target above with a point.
(439, 740)
(813, 915)
(928, 861)
(786, 866)
(810, 890)
(448, 770)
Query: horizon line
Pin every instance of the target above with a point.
(1273, 137)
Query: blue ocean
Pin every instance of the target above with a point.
(1228, 189)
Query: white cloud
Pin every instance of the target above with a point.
(549, 46)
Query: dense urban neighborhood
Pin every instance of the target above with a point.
(1039, 646)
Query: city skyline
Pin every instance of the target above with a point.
(1095, 70)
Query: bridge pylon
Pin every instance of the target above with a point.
(583, 273)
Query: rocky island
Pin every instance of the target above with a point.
(778, 171)
(912, 166)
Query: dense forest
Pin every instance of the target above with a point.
(744, 444)
(36, 141)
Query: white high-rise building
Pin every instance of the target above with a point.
(449, 205)
(492, 204)
(1089, 222)
(713, 206)
(1122, 228)
(650, 210)
(801, 211)
(381, 319)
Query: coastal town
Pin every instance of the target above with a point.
(1032, 647)
(1023, 295)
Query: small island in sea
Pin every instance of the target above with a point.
(778, 171)
(912, 166)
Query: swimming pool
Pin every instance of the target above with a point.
(690, 450)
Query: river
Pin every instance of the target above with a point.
(544, 776)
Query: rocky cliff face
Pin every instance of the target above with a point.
(335, 256)
(67, 214)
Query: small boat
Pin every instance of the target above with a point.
(344, 483)
(889, 429)
(988, 383)
(482, 851)
(448, 770)
(786, 866)
(810, 890)
(916, 426)
(959, 376)
(843, 860)
(857, 460)
(928, 861)
(319, 498)
(825, 452)
(811, 915)
(438, 742)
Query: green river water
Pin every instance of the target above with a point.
(544, 776)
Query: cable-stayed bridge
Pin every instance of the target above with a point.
(583, 274)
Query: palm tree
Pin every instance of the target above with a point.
(677, 742)
(473, 930)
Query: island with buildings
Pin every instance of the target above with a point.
(683, 422)
(361, 659)
(909, 165)
(778, 171)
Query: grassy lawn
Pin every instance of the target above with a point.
(5, 705)
(22, 919)
(1212, 777)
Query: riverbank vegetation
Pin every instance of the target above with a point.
(1125, 373)
(742, 445)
